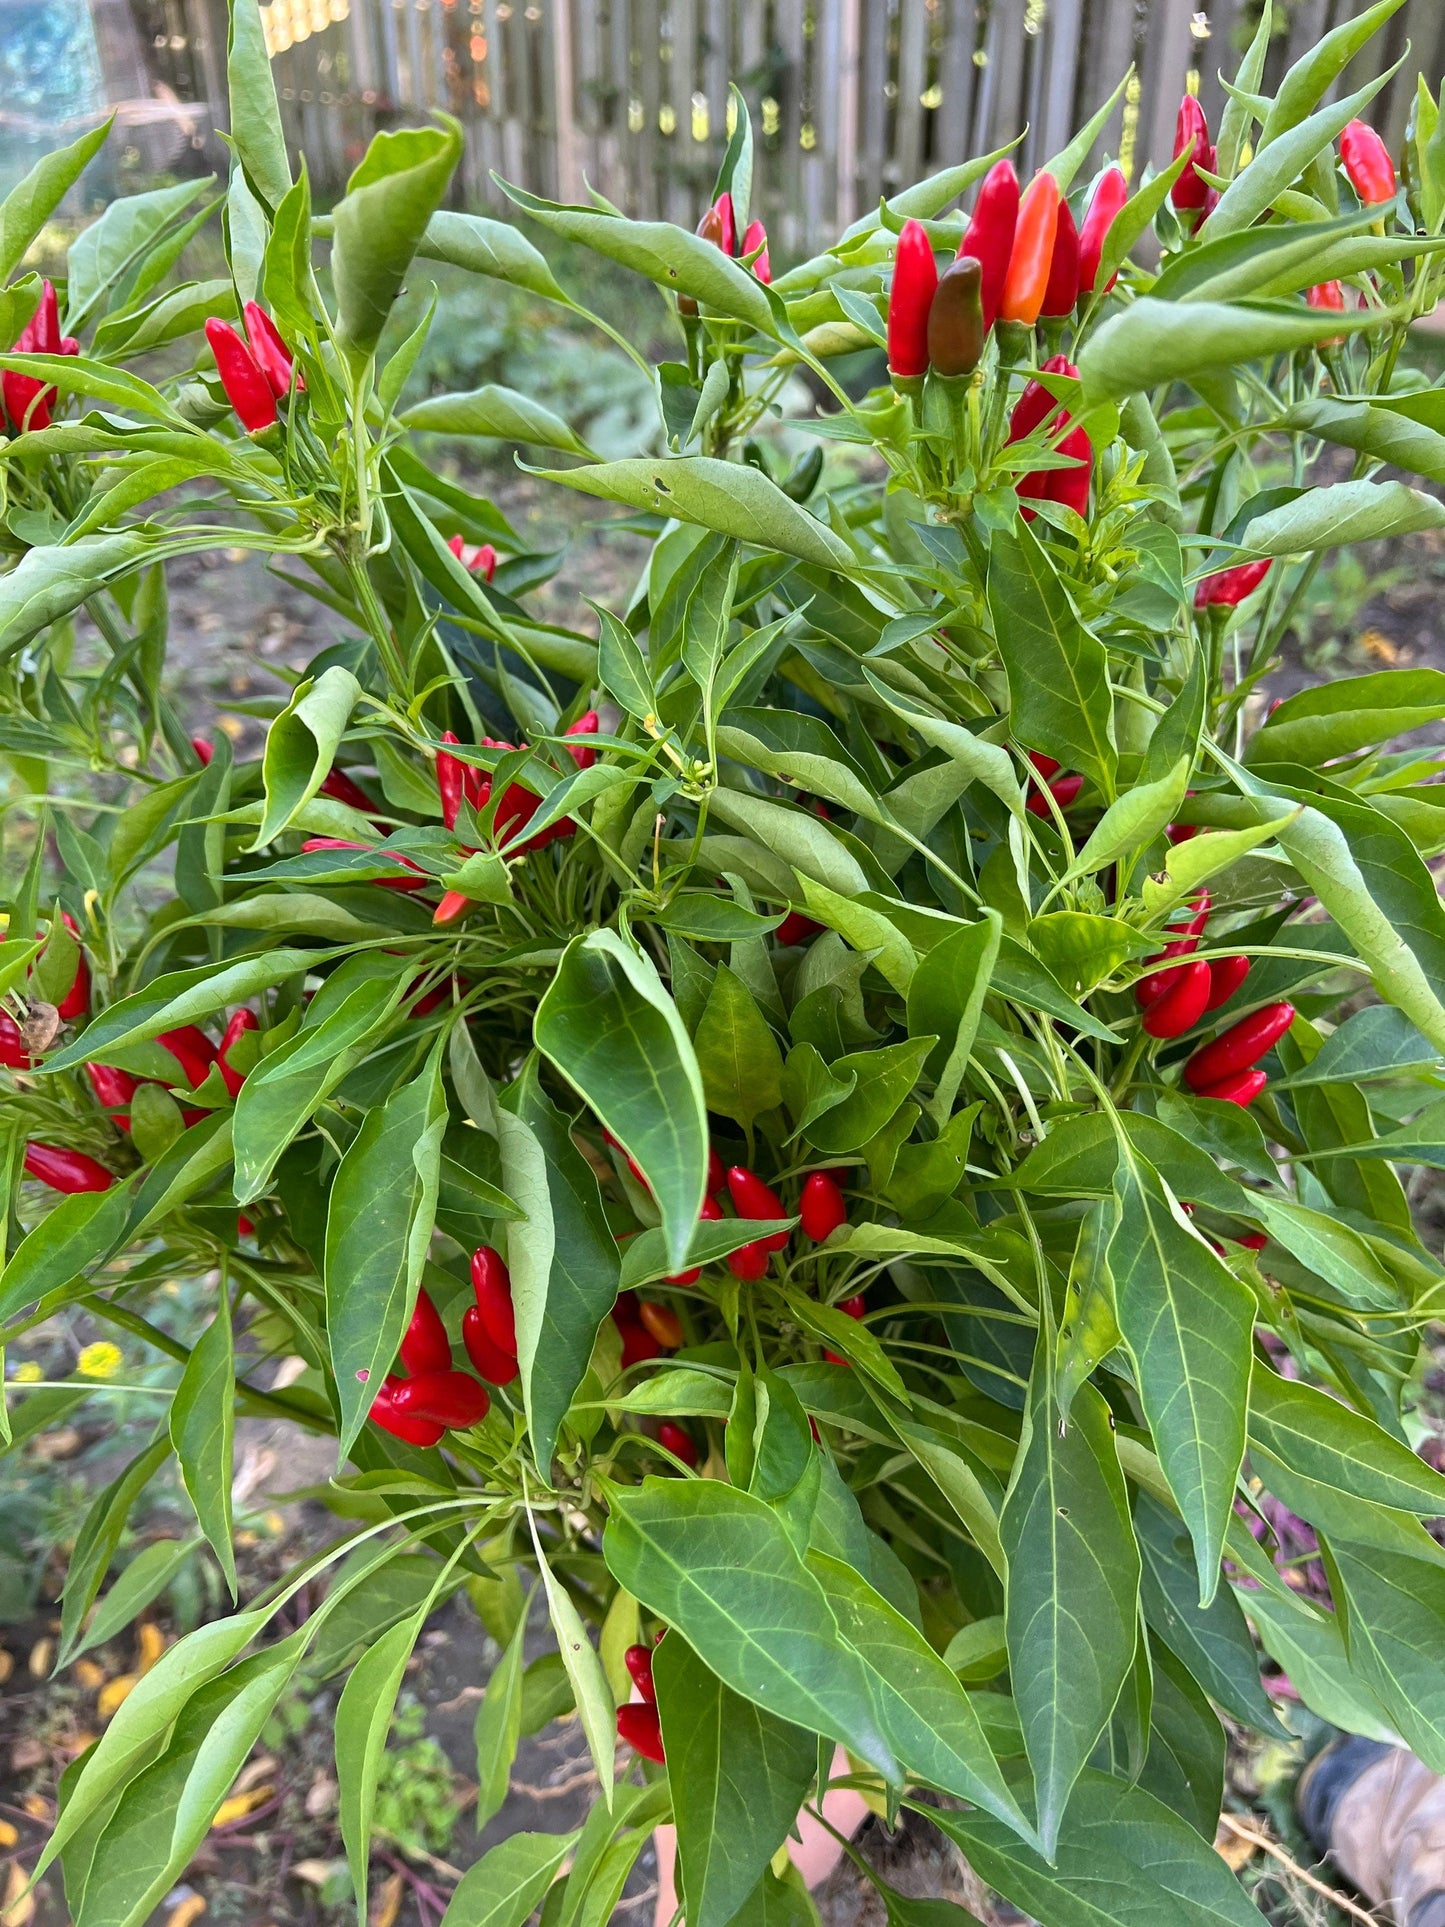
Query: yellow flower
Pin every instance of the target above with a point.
(28, 1372)
(101, 1360)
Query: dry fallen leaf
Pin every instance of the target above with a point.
(150, 1644)
(1232, 1850)
(387, 1904)
(8, 1834)
(7, 1665)
(37, 1806)
(40, 1656)
(254, 1772)
(41, 1026)
(15, 1911)
(316, 1873)
(185, 1911)
(113, 1693)
(88, 1675)
(1375, 643)
(240, 1804)
(62, 1443)
(320, 1797)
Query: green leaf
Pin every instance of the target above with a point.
(1213, 1641)
(1393, 1613)
(503, 1888)
(1123, 1860)
(378, 1227)
(33, 199)
(1135, 218)
(1326, 518)
(1073, 1584)
(945, 1000)
(730, 498)
(1378, 1041)
(1277, 165)
(1324, 1440)
(165, 1813)
(80, 1231)
(884, 1077)
(181, 997)
(1193, 862)
(255, 115)
(1310, 1647)
(610, 1027)
(595, 1705)
(1188, 1323)
(1155, 342)
(100, 1534)
(738, 1777)
(363, 1720)
(621, 666)
(557, 1328)
(481, 245)
(1386, 434)
(1336, 718)
(1058, 673)
(1133, 820)
(1317, 70)
(926, 1716)
(144, 1579)
(1332, 1250)
(48, 583)
(499, 1726)
(104, 252)
(495, 411)
(718, 1565)
(803, 841)
(737, 1053)
(301, 746)
(378, 226)
(202, 1426)
(680, 262)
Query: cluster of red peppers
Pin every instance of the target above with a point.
(638, 1723)
(1177, 996)
(719, 226)
(1063, 789)
(27, 401)
(1034, 407)
(1021, 259)
(256, 372)
(477, 558)
(435, 1397)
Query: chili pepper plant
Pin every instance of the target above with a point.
(848, 1110)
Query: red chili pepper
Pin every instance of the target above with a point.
(339, 786)
(709, 1214)
(241, 1022)
(204, 750)
(717, 1176)
(244, 1226)
(727, 226)
(583, 754)
(451, 782)
(854, 1307)
(1035, 406)
(492, 1287)
(1329, 295)
(757, 237)
(1108, 197)
(1368, 167)
(663, 1323)
(1191, 135)
(113, 1089)
(1033, 251)
(1064, 790)
(247, 389)
(638, 1661)
(1070, 486)
(76, 1001)
(402, 1425)
(681, 1444)
(989, 236)
(1227, 588)
(639, 1725)
(273, 357)
(1182, 1005)
(754, 1199)
(1241, 1089)
(1062, 289)
(487, 1357)
(426, 1347)
(453, 1399)
(1253, 1240)
(192, 1050)
(796, 928)
(68, 1171)
(1239, 1047)
(821, 1207)
(477, 558)
(748, 1262)
(915, 281)
(1226, 976)
(13, 1054)
(454, 904)
(28, 401)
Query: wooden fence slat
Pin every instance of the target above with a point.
(1058, 71)
(873, 104)
(955, 82)
(1167, 61)
(912, 79)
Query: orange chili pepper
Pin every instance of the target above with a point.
(1033, 252)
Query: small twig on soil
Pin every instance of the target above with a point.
(648, 1895)
(1277, 1852)
(564, 1787)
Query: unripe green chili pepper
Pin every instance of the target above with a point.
(989, 237)
(1240, 1047)
(1368, 167)
(802, 477)
(955, 321)
(1032, 253)
(915, 278)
